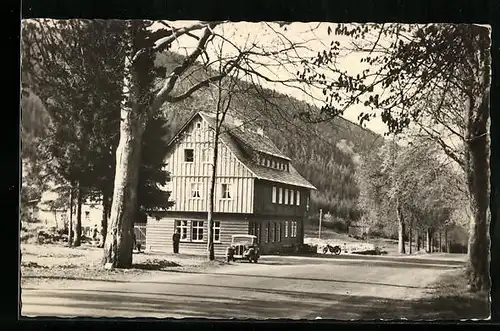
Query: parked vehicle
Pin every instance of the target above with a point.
(333, 249)
(243, 247)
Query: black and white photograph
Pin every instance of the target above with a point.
(263, 170)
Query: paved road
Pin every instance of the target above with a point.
(343, 287)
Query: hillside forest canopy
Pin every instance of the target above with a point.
(81, 76)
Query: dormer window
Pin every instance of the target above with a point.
(198, 125)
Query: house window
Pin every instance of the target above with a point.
(216, 231)
(182, 226)
(286, 196)
(274, 163)
(297, 201)
(286, 229)
(288, 167)
(307, 203)
(268, 162)
(275, 232)
(267, 232)
(226, 191)
(206, 155)
(293, 230)
(256, 231)
(278, 232)
(196, 190)
(198, 125)
(274, 194)
(280, 201)
(189, 155)
(197, 231)
(292, 194)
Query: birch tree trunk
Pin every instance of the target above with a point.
(78, 225)
(211, 199)
(428, 240)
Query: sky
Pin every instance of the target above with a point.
(312, 36)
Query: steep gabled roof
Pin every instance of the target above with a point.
(243, 142)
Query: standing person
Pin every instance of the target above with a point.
(176, 238)
(95, 232)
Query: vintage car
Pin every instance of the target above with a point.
(243, 247)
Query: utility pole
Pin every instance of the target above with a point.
(320, 219)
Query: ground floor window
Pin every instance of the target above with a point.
(286, 229)
(268, 232)
(255, 230)
(216, 231)
(273, 232)
(197, 231)
(182, 227)
(278, 231)
(293, 230)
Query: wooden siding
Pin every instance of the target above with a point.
(160, 230)
(263, 203)
(229, 170)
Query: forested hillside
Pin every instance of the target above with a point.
(325, 153)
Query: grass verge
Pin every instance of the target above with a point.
(55, 263)
(451, 300)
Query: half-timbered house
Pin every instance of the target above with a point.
(257, 190)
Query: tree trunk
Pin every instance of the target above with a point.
(477, 170)
(210, 220)
(410, 236)
(446, 241)
(70, 230)
(104, 220)
(478, 246)
(440, 247)
(418, 241)
(401, 229)
(134, 115)
(119, 238)
(78, 225)
(428, 240)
